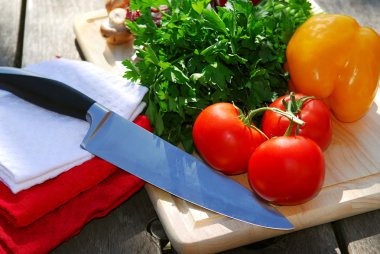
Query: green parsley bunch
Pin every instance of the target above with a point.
(198, 56)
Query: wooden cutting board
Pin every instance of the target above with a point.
(352, 183)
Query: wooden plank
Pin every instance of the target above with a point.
(359, 234)
(49, 29)
(95, 48)
(48, 33)
(9, 32)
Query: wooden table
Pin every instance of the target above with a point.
(37, 30)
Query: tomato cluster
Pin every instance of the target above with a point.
(284, 161)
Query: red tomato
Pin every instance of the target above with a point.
(223, 140)
(315, 113)
(287, 170)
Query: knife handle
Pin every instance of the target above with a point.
(47, 93)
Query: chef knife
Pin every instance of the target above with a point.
(144, 154)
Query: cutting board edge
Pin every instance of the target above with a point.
(187, 238)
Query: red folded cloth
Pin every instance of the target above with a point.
(38, 219)
(25, 207)
(49, 231)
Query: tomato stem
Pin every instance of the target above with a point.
(258, 130)
(293, 107)
(288, 131)
(288, 115)
(248, 121)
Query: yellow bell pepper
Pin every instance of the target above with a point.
(333, 58)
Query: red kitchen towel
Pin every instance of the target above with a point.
(51, 230)
(25, 207)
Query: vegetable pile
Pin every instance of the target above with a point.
(201, 56)
(197, 56)
(327, 66)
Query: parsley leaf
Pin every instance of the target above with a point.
(198, 56)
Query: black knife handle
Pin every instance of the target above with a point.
(47, 93)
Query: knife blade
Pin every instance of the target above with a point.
(143, 154)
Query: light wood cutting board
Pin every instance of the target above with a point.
(352, 183)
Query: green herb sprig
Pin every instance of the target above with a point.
(198, 56)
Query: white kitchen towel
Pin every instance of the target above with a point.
(37, 144)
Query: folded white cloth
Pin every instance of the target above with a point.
(37, 144)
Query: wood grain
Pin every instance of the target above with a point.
(359, 234)
(49, 29)
(9, 32)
